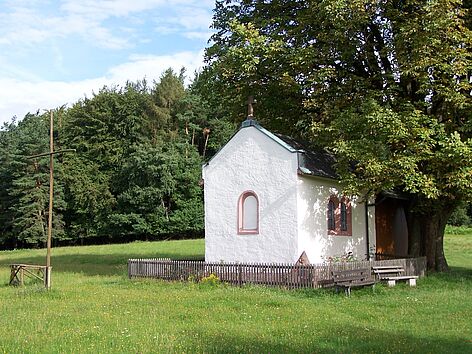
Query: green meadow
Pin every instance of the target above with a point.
(94, 308)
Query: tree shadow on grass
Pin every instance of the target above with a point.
(92, 264)
(116, 264)
(456, 277)
(345, 339)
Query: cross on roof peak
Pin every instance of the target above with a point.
(250, 109)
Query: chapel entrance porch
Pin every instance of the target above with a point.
(391, 227)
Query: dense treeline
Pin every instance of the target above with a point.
(384, 85)
(462, 215)
(135, 175)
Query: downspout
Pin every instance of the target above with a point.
(366, 208)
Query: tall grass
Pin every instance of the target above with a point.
(94, 308)
(458, 230)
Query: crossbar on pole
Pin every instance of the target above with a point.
(51, 153)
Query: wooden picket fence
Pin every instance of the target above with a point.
(279, 275)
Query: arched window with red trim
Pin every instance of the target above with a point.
(248, 213)
(338, 216)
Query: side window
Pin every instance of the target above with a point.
(343, 217)
(339, 217)
(331, 216)
(248, 213)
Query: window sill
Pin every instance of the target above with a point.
(248, 232)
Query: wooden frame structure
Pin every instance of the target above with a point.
(19, 271)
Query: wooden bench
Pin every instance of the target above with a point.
(391, 274)
(352, 278)
(18, 272)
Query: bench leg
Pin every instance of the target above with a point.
(412, 282)
(391, 283)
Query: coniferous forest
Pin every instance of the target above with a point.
(135, 174)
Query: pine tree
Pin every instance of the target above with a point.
(29, 189)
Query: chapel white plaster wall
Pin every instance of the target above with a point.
(313, 196)
(251, 161)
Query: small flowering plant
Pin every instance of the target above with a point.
(211, 280)
(346, 257)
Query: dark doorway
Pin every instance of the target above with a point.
(391, 227)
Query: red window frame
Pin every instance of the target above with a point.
(342, 216)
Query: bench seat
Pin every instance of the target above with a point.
(386, 271)
(410, 279)
(352, 278)
(391, 274)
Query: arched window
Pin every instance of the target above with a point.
(338, 216)
(248, 213)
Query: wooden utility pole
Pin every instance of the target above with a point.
(51, 153)
(47, 276)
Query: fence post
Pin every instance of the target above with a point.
(239, 275)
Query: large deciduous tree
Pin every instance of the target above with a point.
(136, 171)
(161, 193)
(386, 85)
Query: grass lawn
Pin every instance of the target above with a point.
(94, 308)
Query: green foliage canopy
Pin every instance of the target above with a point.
(135, 175)
(386, 85)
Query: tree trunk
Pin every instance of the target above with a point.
(414, 234)
(426, 232)
(432, 234)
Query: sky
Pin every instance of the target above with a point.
(55, 52)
